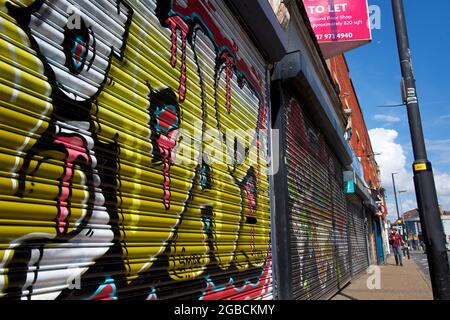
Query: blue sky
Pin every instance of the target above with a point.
(375, 71)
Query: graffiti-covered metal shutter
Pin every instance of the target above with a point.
(358, 235)
(319, 240)
(133, 152)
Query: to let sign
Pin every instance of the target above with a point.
(339, 25)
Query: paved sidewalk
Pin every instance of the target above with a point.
(397, 283)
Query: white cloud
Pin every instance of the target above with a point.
(386, 118)
(405, 203)
(391, 159)
(438, 145)
(409, 204)
(440, 151)
(443, 118)
(442, 181)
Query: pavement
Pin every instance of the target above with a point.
(396, 283)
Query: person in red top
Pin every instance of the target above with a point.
(396, 240)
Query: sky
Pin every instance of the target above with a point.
(375, 71)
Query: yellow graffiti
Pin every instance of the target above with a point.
(120, 114)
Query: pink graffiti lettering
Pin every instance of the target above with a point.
(252, 205)
(176, 23)
(166, 145)
(229, 64)
(75, 149)
(249, 291)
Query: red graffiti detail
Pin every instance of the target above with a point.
(166, 145)
(208, 4)
(296, 117)
(176, 23)
(257, 75)
(247, 292)
(197, 8)
(229, 64)
(258, 161)
(166, 183)
(250, 198)
(252, 205)
(75, 149)
(78, 52)
(167, 118)
(263, 114)
(258, 179)
(105, 294)
(235, 47)
(152, 297)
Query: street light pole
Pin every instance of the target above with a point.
(402, 213)
(405, 233)
(396, 204)
(400, 198)
(426, 195)
(395, 194)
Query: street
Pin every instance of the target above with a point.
(421, 261)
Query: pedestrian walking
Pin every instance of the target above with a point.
(396, 241)
(406, 247)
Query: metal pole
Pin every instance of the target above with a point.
(395, 194)
(405, 234)
(402, 218)
(426, 195)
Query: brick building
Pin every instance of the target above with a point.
(358, 137)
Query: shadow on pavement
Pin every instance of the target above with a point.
(346, 296)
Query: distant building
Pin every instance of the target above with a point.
(414, 230)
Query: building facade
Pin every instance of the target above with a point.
(358, 137)
(323, 230)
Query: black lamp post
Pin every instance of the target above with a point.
(426, 195)
(395, 195)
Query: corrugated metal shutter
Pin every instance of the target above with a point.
(105, 111)
(319, 240)
(358, 235)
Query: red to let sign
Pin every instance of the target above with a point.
(339, 25)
